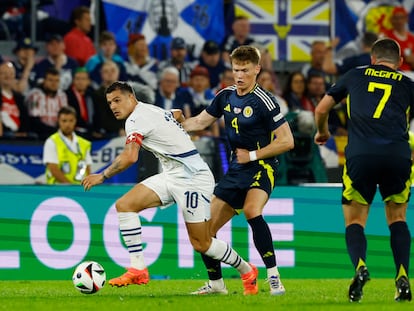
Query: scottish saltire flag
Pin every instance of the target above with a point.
(161, 20)
(286, 27)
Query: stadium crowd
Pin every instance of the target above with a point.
(73, 72)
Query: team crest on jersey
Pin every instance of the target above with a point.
(237, 110)
(247, 111)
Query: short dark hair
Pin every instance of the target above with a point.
(106, 36)
(369, 38)
(245, 53)
(124, 87)
(388, 50)
(52, 71)
(314, 75)
(67, 110)
(78, 12)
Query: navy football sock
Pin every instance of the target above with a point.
(356, 243)
(263, 241)
(400, 240)
(213, 267)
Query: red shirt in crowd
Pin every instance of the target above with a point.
(79, 46)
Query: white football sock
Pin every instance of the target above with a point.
(217, 284)
(272, 271)
(220, 250)
(130, 227)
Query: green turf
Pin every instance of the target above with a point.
(309, 294)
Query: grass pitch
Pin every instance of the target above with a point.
(301, 294)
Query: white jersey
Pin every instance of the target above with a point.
(162, 135)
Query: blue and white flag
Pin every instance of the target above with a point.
(287, 28)
(162, 20)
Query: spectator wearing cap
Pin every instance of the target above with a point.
(199, 88)
(56, 57)
(201, 96)
(77, 42)
(107, 51)
(25, 52)
(141, 67)
(210, 58)
(178, 60)
(400, 33)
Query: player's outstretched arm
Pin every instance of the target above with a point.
(199, 122)
(124, 160)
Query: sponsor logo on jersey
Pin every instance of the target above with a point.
(237, 110)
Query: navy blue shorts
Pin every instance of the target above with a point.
(235, 184)
(363, 174)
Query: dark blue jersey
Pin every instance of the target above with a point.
(379, 103)
(352, 62)
(249, 119)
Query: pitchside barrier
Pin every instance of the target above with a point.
(45, 231)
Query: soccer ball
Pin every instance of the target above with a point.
(89, 277)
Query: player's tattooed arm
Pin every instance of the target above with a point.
(124, 160)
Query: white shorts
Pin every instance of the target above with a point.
(191, 191)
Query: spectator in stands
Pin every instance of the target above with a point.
(199, 88)
(295, 93)
(316, 88)
(201, 96)
(44, 102)
(266, 81)
(178, 59)
(14, 119)
(399, 31)
(67, 156)
(242, 36)
(169, 95)
(17, 19)
(317, 55)
(210, 58)
(143, 92)
(110, 125)
(12, 19)
(77, 42)
(226, 79)
(81, 97)
(331, 67)
(107, 51)
(56, 57)
(141, 67)
(24, 63)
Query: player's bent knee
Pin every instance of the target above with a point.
(200, 246)
(122, 205)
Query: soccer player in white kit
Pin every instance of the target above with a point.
(185, 179)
